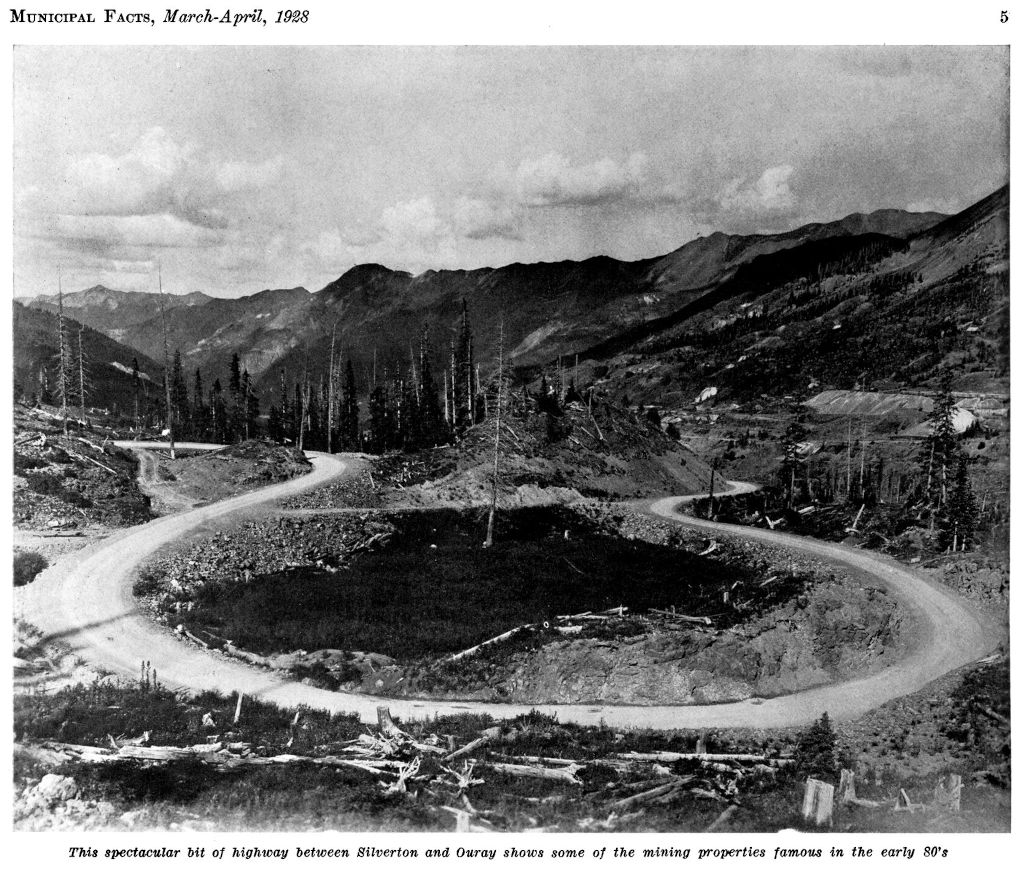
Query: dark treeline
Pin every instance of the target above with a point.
(404, 405)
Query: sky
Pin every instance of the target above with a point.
(237, 169)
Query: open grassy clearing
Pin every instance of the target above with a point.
(432, 589)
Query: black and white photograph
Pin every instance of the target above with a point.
(509, 439)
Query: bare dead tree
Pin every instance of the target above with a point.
(167, 360)
(330, 391)
(489, 541)
(81, 374)
(63, 355)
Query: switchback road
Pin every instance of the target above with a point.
(86, 601)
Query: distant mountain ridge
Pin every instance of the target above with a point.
(547, 309)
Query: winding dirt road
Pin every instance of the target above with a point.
(89, 605)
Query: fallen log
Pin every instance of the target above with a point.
(472, 650)
(215, 755)
(702, 620)
(672, 756)
(231, 649)
(565, 774)
(669, 788)
(489, 735)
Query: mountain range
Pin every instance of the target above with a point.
(607, 312)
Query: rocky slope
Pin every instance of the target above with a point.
(548, 309)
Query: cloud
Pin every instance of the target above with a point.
(158, 175)
(769, 193)
(943, 206)
(236, 176)
(552, 180)
(482, 218)
(415, 220)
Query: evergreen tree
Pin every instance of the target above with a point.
(137, 386)
(274, 424)
(431, 418)
(816, 752)
(251, 405)
(380, 420)
(218, 414)
(794, 435)
(200, 415)
(959, 516)
(940, 449)
(464, 398)
(349, 416)
(236, 399)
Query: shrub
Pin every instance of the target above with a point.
(27, 566)
(816, 749)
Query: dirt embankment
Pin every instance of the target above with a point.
(834, 629)
(190, 480)
(830, 628)
(169, 583)
(66, 484)
(544, 458)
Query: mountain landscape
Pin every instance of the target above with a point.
(598, 308)
(614, 535)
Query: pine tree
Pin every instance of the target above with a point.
(200, 422)
(136, 384)
(349, 422)
(250, 403)
(463, 375)
(959, 516)
(940, 449)
(817, 750)
(432, 425)
(379, 420)
(331, 377)
(795, 434)
(236, 398)
(218, 413)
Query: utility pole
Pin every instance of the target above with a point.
(167, 360)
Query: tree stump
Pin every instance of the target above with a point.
(947, 793)
(818, 800)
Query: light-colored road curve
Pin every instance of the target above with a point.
(89, 605)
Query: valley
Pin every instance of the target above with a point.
(498, 502)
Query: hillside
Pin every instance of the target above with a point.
(868, 311)
(114, 312)
(260, 328)
(548, 309)
(108, 363)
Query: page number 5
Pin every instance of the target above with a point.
(1004, 16)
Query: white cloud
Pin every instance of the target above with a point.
(553, 180)
(236, 176)
(769, 193)
(944, 206)
(484, 218)
(158, 175)
(415, 220)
